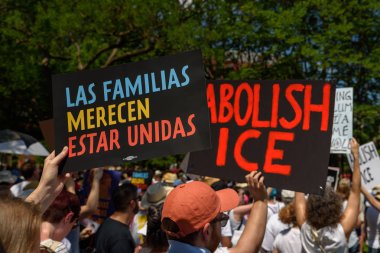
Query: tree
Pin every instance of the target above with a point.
(331, 40)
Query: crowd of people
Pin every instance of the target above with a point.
(43, 213)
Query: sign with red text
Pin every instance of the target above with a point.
(282, 128)
(342, 124)
(369, 162)
(131, 112)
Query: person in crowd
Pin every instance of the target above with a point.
(372, 219)
(274, 204)
(85, 210)
(114, 235)
(226, 233)
(323, 226)
(154, 195)
(30, 172)
(58, 220)
(343, 190)
(6, 181)
(374, 201)
(275, 225)
(19, 225)
(192, 217)
(288, 240)
(23, 235)
(155, 241)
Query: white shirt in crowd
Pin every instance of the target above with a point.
(274, 227)
(274, 208)
(373, 227)
(288, 241)
(330, 239)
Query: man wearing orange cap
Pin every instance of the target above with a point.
(192, 217)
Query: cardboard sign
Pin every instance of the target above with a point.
(369, 162)
(333, 177)
(47, 129)
(342, 126)
(282, 128)
(141, 179)
(109, 182)
(131, 112)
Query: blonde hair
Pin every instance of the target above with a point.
(20, 223)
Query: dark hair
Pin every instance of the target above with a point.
(155, 237)
(287, 214)
(122, 196)
(63, 204)
(323, 211)
(27, 169)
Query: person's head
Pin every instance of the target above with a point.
(287, 214)
(154, 195)
(19, 225)
(29, 170)
(63, 214)
(155, 236)
(344, 188)
(193, 214)
(324, 210)
(125, 198)
(287, 196)
(376, 192)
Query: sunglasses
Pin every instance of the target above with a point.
(222, 217)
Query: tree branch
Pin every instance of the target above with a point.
(138, 52)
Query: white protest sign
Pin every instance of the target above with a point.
(369, 162)
(332, 177)
(342, 126)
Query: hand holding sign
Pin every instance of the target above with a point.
(130, 112)
(256, 187)
(51, 184)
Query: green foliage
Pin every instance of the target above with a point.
(313, 39)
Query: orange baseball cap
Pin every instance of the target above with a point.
(194, 204)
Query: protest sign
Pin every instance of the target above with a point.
(342, 125)
(109, 182)
(47, 129)
(141, 179)
(332, 177)
(369, 162)
(131, 112)
(282, 128)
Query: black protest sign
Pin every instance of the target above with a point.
(282, 128)
(141, 179)
(131, 112)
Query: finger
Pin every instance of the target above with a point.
(61, 155)
(261, 180)
(50, 156)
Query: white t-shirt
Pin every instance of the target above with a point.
(222, 250)
(288, 240)
(57, 247)
(373, 227)
(331, 239)
(226, 230)
(354, 238)
(274, 208)
(274, 227)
